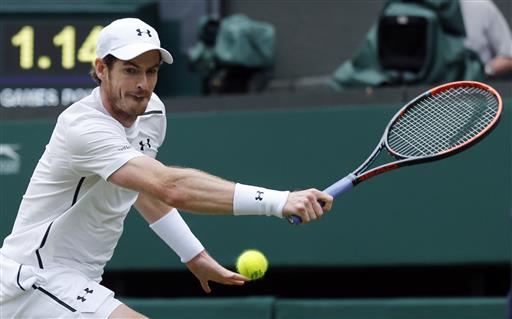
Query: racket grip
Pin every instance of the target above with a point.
(295, 220)
(334, 190)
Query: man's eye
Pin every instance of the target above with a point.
(130, 71)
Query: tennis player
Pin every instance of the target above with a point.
(99, 163)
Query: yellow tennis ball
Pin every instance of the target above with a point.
(252, 264)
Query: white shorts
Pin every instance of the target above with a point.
(54, 292)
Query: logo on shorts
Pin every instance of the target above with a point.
(87, 291)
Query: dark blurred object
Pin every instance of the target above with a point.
(402, 43)
(233, 55)
(237, 79)
(208, 32)
(509, 303)
(413, 42)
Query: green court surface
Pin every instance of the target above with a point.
(267, 307)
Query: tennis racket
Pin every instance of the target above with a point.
(438, 123)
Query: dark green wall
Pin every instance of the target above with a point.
(452, 211)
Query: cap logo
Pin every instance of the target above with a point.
(139, 32)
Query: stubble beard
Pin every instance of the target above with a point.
(123, 105)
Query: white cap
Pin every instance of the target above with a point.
(128, 38)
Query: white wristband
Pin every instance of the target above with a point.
(253, 200)
(173, 230)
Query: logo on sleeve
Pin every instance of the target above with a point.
(259, 196)
(144, 144)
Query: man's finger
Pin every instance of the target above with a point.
(310, 211)
(318, 209)
(206, 286)
(238, 277)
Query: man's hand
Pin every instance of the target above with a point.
(205, 268)
(306, 205)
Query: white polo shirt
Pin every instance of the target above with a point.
(70, 215)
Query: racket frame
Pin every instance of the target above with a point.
(357, 177)
(405, 161)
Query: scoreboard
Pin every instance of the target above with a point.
(46, 62)
(59, 48)
(47, 49)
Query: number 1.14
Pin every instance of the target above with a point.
(65, 39)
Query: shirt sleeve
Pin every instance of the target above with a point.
(98, 146)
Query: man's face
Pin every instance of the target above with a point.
(128, 85)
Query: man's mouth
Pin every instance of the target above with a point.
(139, 97)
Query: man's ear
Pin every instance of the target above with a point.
(101, 69)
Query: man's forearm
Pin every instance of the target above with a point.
(197, 191)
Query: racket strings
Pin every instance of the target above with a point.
(436, 127)
(446, 120)
(445, 124)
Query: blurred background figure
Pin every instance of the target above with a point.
(489, 35)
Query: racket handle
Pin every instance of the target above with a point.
(294, 219)
(341, 186)
(334, 190)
